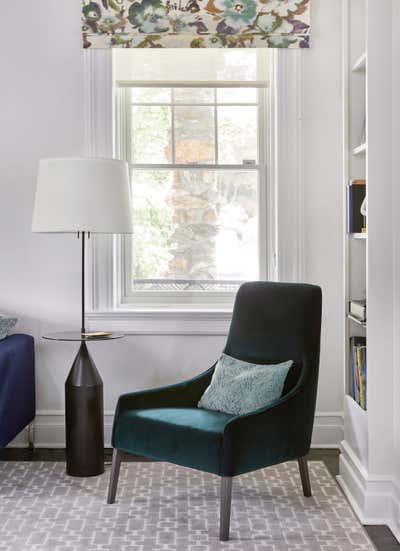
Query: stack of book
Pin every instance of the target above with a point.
(358, 372)
(355, 196)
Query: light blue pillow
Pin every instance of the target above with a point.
(6, 324)
(239, 387)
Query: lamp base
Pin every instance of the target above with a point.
(84, 422)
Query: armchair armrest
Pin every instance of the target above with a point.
(183, 394)
(270, 435)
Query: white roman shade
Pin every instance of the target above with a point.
(190, 68)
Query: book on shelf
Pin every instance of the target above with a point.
(358, 370)
(358, 309)
(356, 222)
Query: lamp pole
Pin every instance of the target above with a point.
(83, 330)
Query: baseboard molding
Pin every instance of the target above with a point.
(328, 430)
(50, 430)
(375, 499)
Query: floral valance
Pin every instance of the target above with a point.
(196, 23)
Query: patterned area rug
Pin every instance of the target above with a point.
(162, 507)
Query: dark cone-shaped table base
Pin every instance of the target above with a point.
(84, 417)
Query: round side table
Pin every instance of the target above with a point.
(84, 410)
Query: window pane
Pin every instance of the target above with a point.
(237, 239)
(194, 229)
(150, 95)
(237, 134)
(237, 95)
(194, 135)
(152, 222)
(151, 134)
(194, 95)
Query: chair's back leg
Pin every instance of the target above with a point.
(225, 507)
(116, 463)
(31, 436)
(305, 476)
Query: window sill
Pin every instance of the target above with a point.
(161, 322)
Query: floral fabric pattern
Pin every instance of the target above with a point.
(196, 23)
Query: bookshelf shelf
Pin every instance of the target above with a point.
(360, 64)
(360, 149)
(356, 406)
(358, 235)
(356, 320)
(357, 435)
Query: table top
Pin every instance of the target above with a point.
(77, 336)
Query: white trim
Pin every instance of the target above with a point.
(161, 322)
(192, 84)
(50, 430)
(98, 103)
(98, 94)
(284, 164)
(289, 166)
(199, 166)
(328, 429)
(375, 499)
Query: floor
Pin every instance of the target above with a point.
(381, 536)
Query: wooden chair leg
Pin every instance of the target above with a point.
(31, 436)
(225, 507)
(116, 463)
(305, 476)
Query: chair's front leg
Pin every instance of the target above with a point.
(305, 476)
(116, 463)
(225, 507)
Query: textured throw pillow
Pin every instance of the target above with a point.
(6, 324)
(239, 387)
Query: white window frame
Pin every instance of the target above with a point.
(189, 300)
(285, 209)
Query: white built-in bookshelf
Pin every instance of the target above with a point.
(356, 153)
(368, 267)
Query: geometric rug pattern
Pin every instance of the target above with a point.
(164, 507)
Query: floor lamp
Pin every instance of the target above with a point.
(83, 196)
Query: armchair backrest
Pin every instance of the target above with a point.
(276, 322)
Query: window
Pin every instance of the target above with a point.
(197, 153)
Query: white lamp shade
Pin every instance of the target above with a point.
(90, 195)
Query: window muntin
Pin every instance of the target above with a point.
(164, 126)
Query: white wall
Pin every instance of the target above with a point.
(42, 115)
(322, 184)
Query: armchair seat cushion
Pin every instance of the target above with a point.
(191, 437)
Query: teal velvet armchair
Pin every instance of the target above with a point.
(271, 323)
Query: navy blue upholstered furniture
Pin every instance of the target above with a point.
(17, 386)
(271, 323)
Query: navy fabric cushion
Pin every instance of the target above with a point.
(187, 436)
(17, 385)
